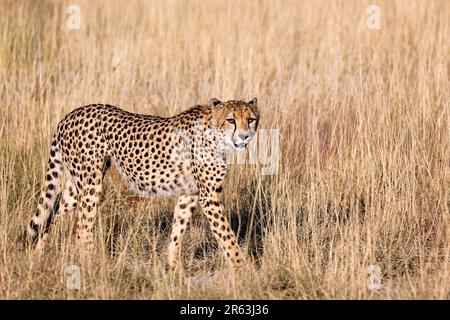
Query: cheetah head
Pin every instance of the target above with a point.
(237, 120)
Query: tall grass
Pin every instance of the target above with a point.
(364, 118)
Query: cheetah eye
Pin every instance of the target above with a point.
(232, 121)
(251, 120)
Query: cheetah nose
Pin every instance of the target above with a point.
(243, 136)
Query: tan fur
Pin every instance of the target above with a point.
(156, 156)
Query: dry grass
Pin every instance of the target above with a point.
(364, 118)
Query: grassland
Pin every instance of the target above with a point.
(363, 116)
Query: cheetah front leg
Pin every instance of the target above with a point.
(213, 209)
(182, 215)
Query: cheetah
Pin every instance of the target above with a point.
(182, 156)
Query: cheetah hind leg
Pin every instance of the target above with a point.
(89, 198)
(87, 208)
(69, 196)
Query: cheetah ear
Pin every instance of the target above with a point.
(254, 102)
(215, 102)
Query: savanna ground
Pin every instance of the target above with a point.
(363, 116)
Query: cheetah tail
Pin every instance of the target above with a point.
(49, 198)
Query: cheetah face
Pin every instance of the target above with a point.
(238, 121)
